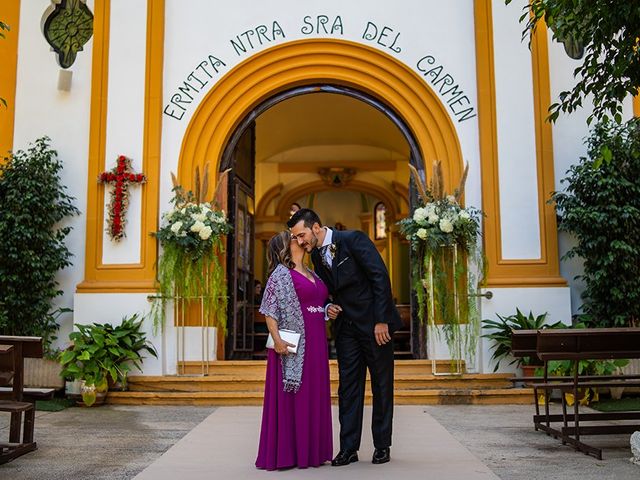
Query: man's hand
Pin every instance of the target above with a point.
(381, 332)
(333, 311)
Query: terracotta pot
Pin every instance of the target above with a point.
(529, 371)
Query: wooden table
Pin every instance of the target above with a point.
(24, 347)
(13, 350)
(585, 344)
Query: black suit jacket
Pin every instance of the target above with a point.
(359, 282)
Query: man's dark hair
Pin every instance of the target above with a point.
(309, 216)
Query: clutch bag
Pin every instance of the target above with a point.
(288, 336)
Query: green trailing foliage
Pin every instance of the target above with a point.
(180, 274)
(34, 206)
(600, 207)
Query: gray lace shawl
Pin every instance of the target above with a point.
(280, 301)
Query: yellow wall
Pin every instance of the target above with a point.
(538, 272)
(134, 277)
(10, 15)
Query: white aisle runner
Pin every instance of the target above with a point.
(224, 446)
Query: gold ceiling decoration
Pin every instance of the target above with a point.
(337, 177)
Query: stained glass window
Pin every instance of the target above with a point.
(380, 221)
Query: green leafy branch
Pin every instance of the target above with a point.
(606, 34)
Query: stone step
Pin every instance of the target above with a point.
(254, 382)
(227, 367)
(401, 397)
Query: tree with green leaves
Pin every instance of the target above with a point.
(33, 207)
(601, 209)
(604, 34)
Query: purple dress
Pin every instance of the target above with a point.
(296, 427)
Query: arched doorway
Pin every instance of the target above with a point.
(225, 117)
(310, 62)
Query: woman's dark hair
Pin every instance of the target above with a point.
(279, 251)
(309, 216)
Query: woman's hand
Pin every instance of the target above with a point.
(281, 347)
(333, 311)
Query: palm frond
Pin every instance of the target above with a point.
(459, 192)
(205, 184)
(221, 178)
(422, 189)
(437, 184)
(196, 182)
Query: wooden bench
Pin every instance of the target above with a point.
(10, 371)
(30, 394)
(26, 347)
(576, 345)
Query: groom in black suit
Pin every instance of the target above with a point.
(357, 278)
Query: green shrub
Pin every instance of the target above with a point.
(601, 209)
(33, 205)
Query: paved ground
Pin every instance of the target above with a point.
(444, 442)
(502, 436)
(109, 442)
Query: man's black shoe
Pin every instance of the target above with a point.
(344, 458)
(381, 455)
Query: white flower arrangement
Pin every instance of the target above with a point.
(442, 222)
(193, 226)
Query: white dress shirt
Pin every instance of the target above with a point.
(328, 237)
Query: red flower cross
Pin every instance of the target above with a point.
(120, 176)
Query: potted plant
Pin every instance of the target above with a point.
(102, 352)
(501, 331)
(560, 368)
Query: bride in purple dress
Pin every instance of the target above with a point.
(296, 416)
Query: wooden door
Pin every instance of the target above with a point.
(240, 249)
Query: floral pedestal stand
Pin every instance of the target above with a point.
(432, 328)
(180, 305)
